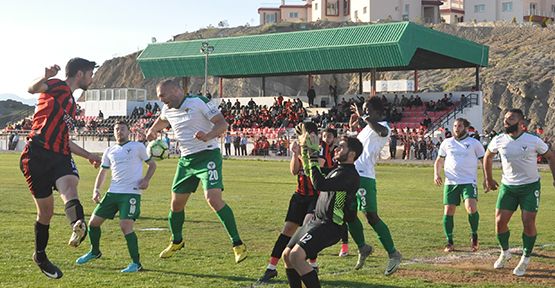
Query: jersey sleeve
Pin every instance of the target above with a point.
(442, 151)
(479, 149)
(492, 146)
(142, 152)
(163, 113)
(105, 160)
(541, 147)
(208, 109)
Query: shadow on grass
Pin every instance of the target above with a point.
(344, 283)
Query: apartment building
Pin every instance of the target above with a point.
(539, 11)
(354, 10)
(452, 11)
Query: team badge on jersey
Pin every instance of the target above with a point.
(211, 165)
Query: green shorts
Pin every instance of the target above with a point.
(452, 194)
(205, 166)
(527, 196)
(366, 195)
(128, 205)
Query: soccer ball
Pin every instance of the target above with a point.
(157, 149)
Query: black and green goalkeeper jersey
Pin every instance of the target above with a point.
(337, 193)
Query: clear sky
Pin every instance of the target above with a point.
(38, 33)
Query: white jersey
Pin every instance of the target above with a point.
(193, 115)
(126, 163)
(518, 157)
(372, 145)
(461, 159)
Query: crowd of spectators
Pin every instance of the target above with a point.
(282, 114)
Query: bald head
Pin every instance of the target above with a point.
(170, 93)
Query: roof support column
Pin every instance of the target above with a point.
(309, 81)
(373, 82)
(185, 84)
(263, 86)
(221, 86)
(359, 82)
(477, 78)
(415, 81)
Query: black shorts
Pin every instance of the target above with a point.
(315, 237)
(42, 168)
(299, 206)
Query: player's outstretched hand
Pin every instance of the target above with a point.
(295, 148)
(51, 71)
(94, 160)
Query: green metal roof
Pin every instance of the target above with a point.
(384, 47)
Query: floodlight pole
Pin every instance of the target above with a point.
(206, 49)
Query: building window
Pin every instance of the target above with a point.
(346, 7)
(270, 18)
(507, 6)
(552, 10)
(293, 14)
(356, 15)
(315, 6)
(332, 7)
(364, 10)
(533, 10)
(480, 8)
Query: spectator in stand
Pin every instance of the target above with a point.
(251, 104)
(148, 107)
(100, 115)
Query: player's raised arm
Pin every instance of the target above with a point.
(156, 127)
(295, 164)
(39, 85)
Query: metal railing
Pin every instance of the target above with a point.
(469, 101)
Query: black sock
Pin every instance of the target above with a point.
(41, 240)
(74, 211)
(293, 277)
(311, 280)
(280, 245)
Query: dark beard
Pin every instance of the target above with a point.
(511, 128)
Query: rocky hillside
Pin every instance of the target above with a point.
(521, 72)
(13, 111)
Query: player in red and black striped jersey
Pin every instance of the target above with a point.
(46, 161)
(301, 207)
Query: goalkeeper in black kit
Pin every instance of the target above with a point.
(334, 207)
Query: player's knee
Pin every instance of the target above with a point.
(126, 226)
(297, 255)
(215, 202)
(44, 215)
(289, 229)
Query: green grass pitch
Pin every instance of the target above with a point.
(258, 192)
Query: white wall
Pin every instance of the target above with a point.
(489, 13)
